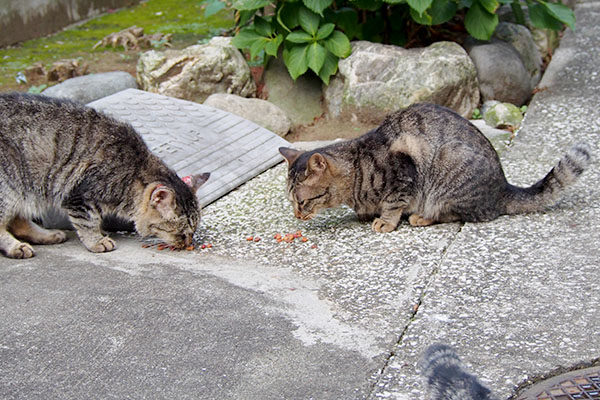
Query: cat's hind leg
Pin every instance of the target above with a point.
(31, 232)
(13, 248)
(417, 220)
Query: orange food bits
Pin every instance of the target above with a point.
(250, 238)
(257, 239)
(304, 239)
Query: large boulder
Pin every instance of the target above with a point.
(521, 39)
(196, 72)
(377, 79)
(501, 72)
(261, 112)
(88, 88)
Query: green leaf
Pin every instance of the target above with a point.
(262, 26)
(299, 36)
(316, 57)
(287, 15)
(272, 45)
(347, 20)
(562, 13)
(246, 5)
(309, 21)
(423, 19)
(213, 7)
(442, 11)
(395, 1)
(480, 23)
(257, 47)
(541, 18)
(338, 44)
(329, 68)
(246, 16)
(419, 5)
(295, 60)
(317, 6)
(489, 5)
(245, 38)
(325, 31)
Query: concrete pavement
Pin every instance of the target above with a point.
(343, 315)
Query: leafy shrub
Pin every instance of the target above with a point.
(315, 34)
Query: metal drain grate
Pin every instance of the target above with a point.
(576, 385)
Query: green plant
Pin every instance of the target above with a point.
(316, 34)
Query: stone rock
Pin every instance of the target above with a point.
(88, 88)
(377, 79)
(196, 72)
(500, 70)
(546, 40)
(521, 39)
(261, 112)
(300, 99)
(503, 115)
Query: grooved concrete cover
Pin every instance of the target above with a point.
(193, 138)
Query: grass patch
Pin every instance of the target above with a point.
(182, 18)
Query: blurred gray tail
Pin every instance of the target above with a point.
(546, 191)
(446, 377)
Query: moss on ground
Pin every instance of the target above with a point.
(183, 18)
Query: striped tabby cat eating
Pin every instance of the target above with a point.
(57, 154)
(426, 162)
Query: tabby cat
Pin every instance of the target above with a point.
(58, 154)
(424, 161)
(446, 377)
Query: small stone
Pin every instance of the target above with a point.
(503, 115)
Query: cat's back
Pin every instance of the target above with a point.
(420, 130)
(40, 126)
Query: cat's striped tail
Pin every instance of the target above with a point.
(546, 191)
(446, 377)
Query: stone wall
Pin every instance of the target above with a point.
(27, 19)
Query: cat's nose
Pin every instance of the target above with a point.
(297, 214)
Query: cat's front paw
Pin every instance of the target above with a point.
(20, 250)
(379, 225)
(103, 245)
(417, 220)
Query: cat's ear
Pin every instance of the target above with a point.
(290, 155)
(195, 181)
(163, 200)
(316, 164)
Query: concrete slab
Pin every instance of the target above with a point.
(518, 296)
(140, 323)
(193, 138)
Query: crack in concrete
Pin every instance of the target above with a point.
(376, 377)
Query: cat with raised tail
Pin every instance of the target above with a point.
(425, 162)
(446, 378)
(58, 154)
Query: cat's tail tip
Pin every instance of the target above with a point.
(446, 378)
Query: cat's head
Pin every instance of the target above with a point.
(170, 211)
(313, 182)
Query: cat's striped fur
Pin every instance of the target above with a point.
(446, 378)
(56, 153)
(425, 161)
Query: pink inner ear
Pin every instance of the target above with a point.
(188, 180)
